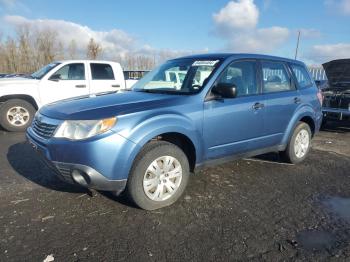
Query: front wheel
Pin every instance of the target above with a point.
(16, 115)
(159, 175)
(299, 144)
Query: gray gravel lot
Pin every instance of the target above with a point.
(253, 209)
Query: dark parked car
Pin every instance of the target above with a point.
(322, 84)
(16, 75)
(336, 103)
(2, 75)
(148, 141)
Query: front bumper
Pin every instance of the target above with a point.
(101, 163)
(336, 113)
(86, 176)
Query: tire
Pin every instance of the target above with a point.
(291, 154)
(158, 183)
(16, 115)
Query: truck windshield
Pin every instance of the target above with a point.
(179, 76)
(44, 70)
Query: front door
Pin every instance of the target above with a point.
(235, 125)
(66, 82)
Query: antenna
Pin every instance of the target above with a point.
(296, 49)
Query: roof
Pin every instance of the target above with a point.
(84, 60)
(238, 55)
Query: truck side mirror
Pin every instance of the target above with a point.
(225, 90)
(55, 78)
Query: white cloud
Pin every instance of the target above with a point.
(242, 14)
(259, 40)
(115, 41)
(237, 23)
(339, 6)
(325, 53)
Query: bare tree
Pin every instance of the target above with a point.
(31, 49)
(25, 50)
(72, 49)
(60, 51)
(47, 49)
(11, 55)
(94, 50)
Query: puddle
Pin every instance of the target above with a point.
(339, 206)
(334, 233)
(316, 240)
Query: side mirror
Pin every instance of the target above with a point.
(55, 78)
(225, 90)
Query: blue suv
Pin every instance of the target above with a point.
(187, 113)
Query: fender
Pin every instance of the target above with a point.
(303, 111)
(152, 127)
(21, 90)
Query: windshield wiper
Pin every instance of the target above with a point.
(154, 91)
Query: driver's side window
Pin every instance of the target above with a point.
(70, 72)
(243, 75)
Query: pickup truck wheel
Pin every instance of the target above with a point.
(16, 115)
(299, 144)
(159, 176)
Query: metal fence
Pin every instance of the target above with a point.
(317, 72)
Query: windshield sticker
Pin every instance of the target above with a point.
(205, 63)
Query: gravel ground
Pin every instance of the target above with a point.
(253, 209)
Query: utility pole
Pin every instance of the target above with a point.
(296, 50)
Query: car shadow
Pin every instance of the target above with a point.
(121, 199)
(273, 157)
(336, 126)
(26, 163)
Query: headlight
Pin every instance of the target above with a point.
(82, 129)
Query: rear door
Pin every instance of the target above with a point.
(281, 99)
(104, 78)
(235, 125)
(66, 81)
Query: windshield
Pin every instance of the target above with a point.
(43, 71)
(180, 76)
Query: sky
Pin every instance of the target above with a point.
(183, 26)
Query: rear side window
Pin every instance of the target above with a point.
(101, 72)
(275, 77)
(302, 76)
(243, 75)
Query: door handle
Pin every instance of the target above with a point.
(116, 86)
(80, 86)
(258, 106)
(297, 100)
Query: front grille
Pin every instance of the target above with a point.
(65, 172)
(43, 129)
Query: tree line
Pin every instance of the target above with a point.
(28, 50)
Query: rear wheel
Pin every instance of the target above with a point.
(16, 115)
(159, 175)
(299, 144)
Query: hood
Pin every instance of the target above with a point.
(17, 80)
(108, 105)
(338, 72)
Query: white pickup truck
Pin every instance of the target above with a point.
(21, 97)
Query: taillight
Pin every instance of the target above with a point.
(320, 96)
